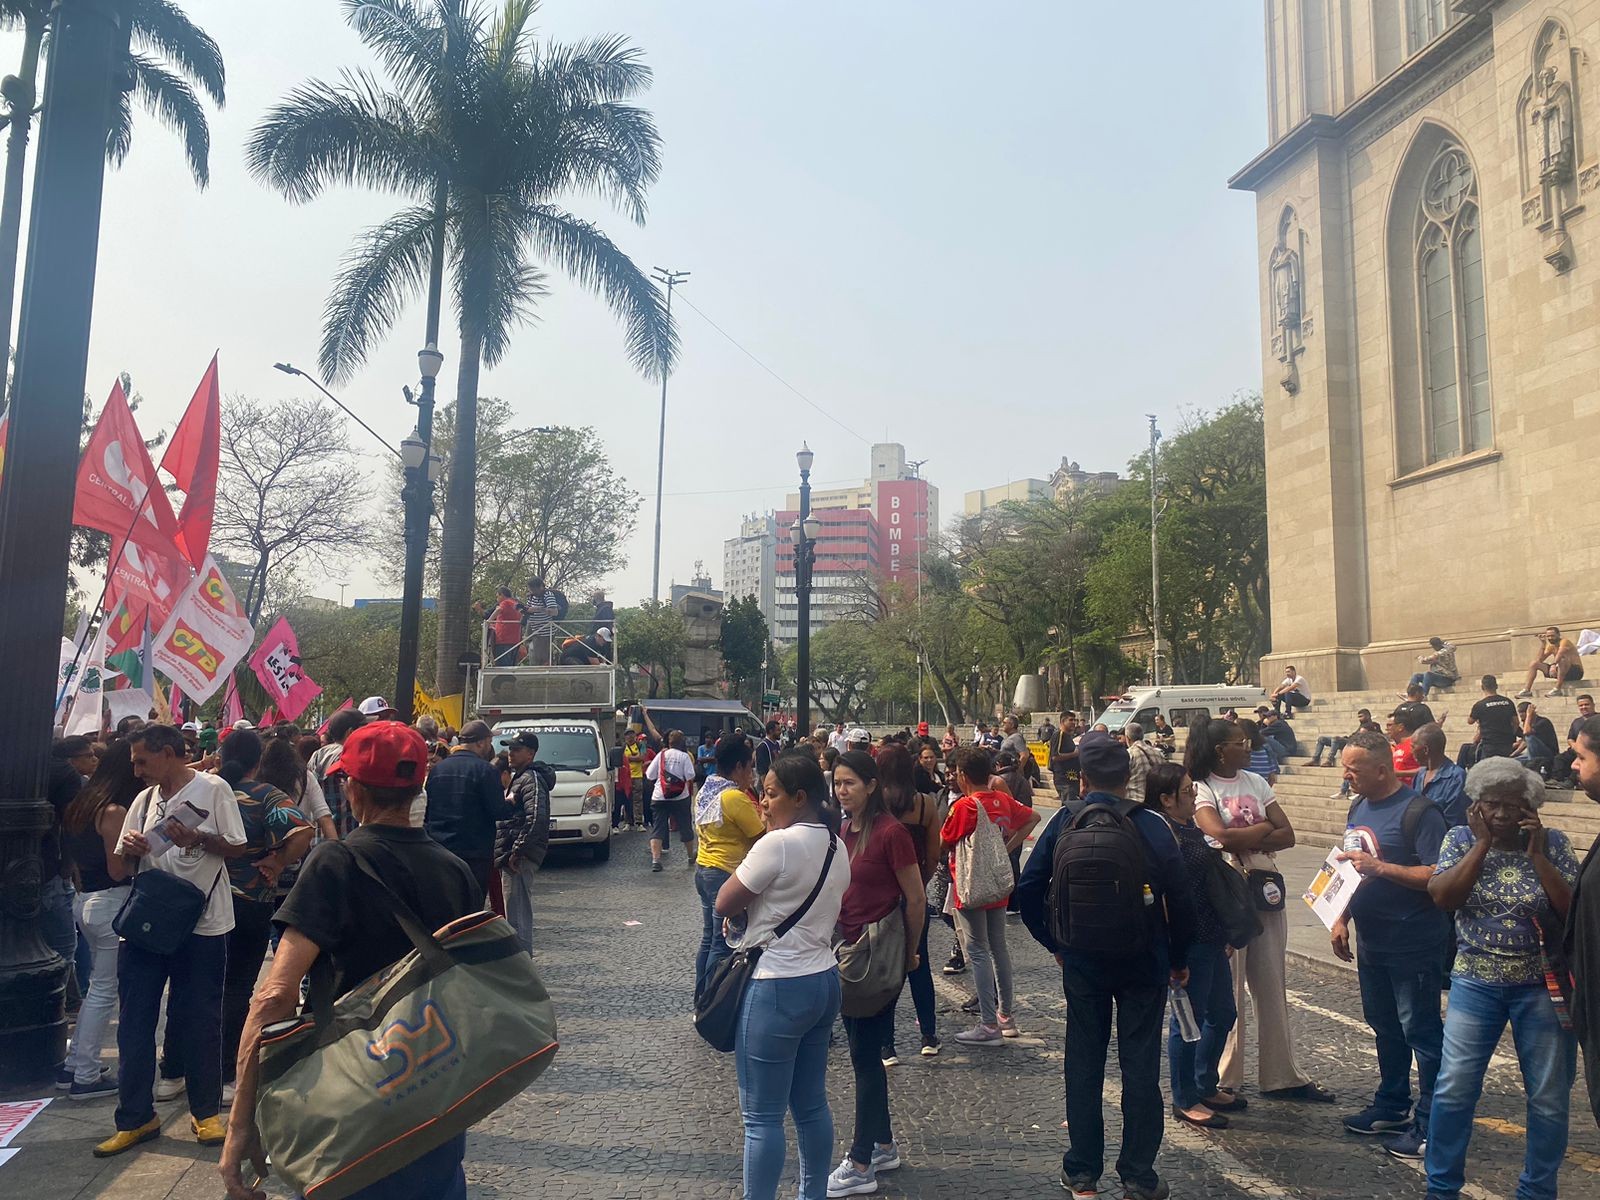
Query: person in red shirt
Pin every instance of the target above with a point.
(1403, 722)
(883, 873)
(983, 930)
(506, 629)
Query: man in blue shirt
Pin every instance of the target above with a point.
(1402, 936)
(1439, 779)
(466, 802)
(1137, 985)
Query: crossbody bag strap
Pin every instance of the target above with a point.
(793, 918)
(428, 946)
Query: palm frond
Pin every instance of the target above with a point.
(380, 275)
(509, 35)
(598, 68)
(162, 26)
(496, 288)
(355, 132)
(407, 39)
(584, 252)
(166, 96)
(606, 149)
(119, 137)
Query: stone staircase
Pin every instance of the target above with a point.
(1307, 793)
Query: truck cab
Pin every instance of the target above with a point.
(572, 710)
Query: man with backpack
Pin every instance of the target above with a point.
(1105, 891)
(1392, 836)
(672, 774)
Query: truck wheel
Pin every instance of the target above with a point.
(602, 851)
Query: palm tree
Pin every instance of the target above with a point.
(507, 127)
(169, 57)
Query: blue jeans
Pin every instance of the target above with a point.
(196, 972)
(1193, 1065)
(708, 882)
(1428, 680)
(781, 1052)
(1400, 1000)
(437, 1175)
(1548, 1057)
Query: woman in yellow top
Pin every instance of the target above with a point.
(728, 823)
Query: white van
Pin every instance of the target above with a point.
(1181, 705)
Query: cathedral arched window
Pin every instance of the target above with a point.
(1452, 325)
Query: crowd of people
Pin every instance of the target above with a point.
(1155, 886)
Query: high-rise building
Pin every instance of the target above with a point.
(749, 563)
(1019, 491)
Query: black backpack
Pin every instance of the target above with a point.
(1097, 883)
(1228, 893)
(561, 604)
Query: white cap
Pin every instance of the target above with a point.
(373, 705)
(603, 633)
(191, 726)
(858, 734)
(243, 725)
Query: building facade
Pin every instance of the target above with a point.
(749, 563)
(1430, 339)
(1018, 491)
(849, 549)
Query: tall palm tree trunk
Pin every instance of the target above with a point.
(22, 100)
(456, 627)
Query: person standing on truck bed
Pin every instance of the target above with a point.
(466, 801)
(539, 610)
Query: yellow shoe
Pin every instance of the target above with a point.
(127, 1139)
(209, 1132)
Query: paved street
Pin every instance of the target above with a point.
(637, 1107)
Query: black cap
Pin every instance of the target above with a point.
(527, 739)
(1103, 759)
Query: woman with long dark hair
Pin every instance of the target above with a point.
(1196, 1098)
(277, 835)
(792, 1000)
(91, 826)
(1236, 809)
(922, 814)
(885, 878)
(727, 823)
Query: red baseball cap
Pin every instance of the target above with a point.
(384, 754)
(922, 728)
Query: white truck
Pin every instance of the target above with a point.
(572, 708)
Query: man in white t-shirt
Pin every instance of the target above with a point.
(199, 855)
(672, 773)
(1294, 692)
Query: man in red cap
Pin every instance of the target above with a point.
(335, 910)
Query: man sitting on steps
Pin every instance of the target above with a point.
(1558, 660)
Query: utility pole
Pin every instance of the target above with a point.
(88, 68)
(804, 535)
(668, 279)
(1155, 564)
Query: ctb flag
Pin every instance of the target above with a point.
(276, 663)
(206, 635)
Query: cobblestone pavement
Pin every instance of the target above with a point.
(636, 1107)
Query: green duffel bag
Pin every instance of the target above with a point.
(412, 1057)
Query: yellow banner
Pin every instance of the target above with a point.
(444, 709)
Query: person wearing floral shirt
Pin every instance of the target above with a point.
(1509, 881)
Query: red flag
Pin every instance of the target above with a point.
(349, 702)
(191, 460)
(232, 706)
(268, 717)
(117, 490)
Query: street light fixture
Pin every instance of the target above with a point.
(804, 533)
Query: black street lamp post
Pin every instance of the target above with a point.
(88, 58)
(422, 471)
(804, 534)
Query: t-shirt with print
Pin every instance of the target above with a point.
(781, 869)
(212, 795)
(1392, 920)
(1498, 928)
(1496, 719)
(1239, 803)
(874, 890)
(963, 821)
(268, 817)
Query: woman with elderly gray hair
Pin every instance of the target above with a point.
(1509, 881)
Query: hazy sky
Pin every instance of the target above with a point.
(997, 233)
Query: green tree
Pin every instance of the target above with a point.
(841, 666)
(744, 648)
(652, 640)
(169, 58)
(352, 651)
(504, 128)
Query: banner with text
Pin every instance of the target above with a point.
(206, 635)
(276, 663)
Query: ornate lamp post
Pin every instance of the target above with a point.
(804, 534)
(422, 471)
(88, 65)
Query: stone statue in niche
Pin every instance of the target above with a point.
(1550, 134)
(1290, 322)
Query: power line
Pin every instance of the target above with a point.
(738, 346)
(771, 487)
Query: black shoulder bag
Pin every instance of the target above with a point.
(716, 1009)
(161, 910)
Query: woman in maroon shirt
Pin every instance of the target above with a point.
(884, 873)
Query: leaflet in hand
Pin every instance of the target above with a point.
(1330, 891)
(185, 815)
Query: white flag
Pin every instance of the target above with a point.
(90, 686)
(206, 635)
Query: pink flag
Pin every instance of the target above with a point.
(276, 663)
(232, 706)
(268, 718)
(191, 459)
(349, 702)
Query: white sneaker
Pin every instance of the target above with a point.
(886, 1158)
(847, 1181)
(981, 1035)
(169, 1089)
(227, 1095)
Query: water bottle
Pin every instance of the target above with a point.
(1183, 1014)
(1149, 896)
(1352, 839)
(734, 929)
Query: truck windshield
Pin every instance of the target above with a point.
(1115, 718)
(569, 749)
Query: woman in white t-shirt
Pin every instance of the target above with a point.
(792, 1001)
(1236, 809)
